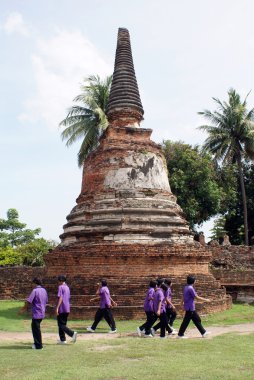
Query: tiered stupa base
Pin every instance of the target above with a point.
(128, 269)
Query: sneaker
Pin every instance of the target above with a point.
(74, 337)
(112, 331)
(206, 334)
(182, 337)
(139, 331)
(90, 329)
(174, 332)
(148, 336)
(61, 342)
(33, 347)
(153, 331)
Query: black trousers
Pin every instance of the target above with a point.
(171, 314)
(151, 317)
(163, 324)
(36, 330)
(195, 318)
(107, 315)
(168, 326)
(62, 326)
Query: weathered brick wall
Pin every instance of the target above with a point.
(16, 282)
(233, 266)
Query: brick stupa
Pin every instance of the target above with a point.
(127, 225)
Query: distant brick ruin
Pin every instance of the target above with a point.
(127, 225)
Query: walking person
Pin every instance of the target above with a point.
(170, 308)
(167, 301)
(189, 296)
(160, 308)
(149, 310)
(38, 299)
(104, 311)
(63, 310)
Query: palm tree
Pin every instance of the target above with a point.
(231, 138)
(87, 121)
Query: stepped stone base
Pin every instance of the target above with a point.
(128, 269)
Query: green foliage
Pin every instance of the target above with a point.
(13, 232)
(18, 245)
(193, 179)
(32, 253)
(88, 121)
(231, 139)
(218, 230)
(234, 223)
(9, 256)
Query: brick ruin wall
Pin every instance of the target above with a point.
(128, 275)
(233, 266)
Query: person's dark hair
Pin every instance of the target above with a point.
(164, 286)
(61, 278)
(153, 284)
(159, 281)
(37, 281)
(104, 282)
(190, 279)
(168, 281)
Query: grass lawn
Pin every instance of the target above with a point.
(226, 357)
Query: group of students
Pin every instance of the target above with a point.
(158, 305)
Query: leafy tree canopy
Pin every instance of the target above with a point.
(18, 245)
(13, 233)
(194, 180)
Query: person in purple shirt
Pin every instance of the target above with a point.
(38, 299)
(170, 310)
(189, 296)
(104, 310)
(149, 310)
(159, 303)
(63, 310)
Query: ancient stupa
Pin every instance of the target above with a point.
(127, 225)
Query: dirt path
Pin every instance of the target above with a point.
(246, 328)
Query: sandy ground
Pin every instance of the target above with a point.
(191, 333)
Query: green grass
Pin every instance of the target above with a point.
(226, 357)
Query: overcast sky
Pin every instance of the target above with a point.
(185, 52)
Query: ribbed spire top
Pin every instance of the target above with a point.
(124, 99)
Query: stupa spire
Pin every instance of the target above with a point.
(124, 106)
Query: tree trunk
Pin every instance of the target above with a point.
(244, 199)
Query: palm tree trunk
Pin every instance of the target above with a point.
(244, 199)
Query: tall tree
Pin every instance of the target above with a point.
(13, 233)
(193, 179)
(88, 120)
(231, 138)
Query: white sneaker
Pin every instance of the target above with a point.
(153, 331)
(33, 347)
(206, 334)
(139, 331)
(148, 336)
(74, 337)
(61, 342)
(90, 329)
(112, 331)
(182, 337)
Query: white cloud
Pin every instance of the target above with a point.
(59, 66)
(15, 24)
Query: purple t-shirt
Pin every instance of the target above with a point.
(159, 296)
(64, 292)
(38, 299)
(104, 297)
(168, 295)
(148, 304)
(189, 295)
